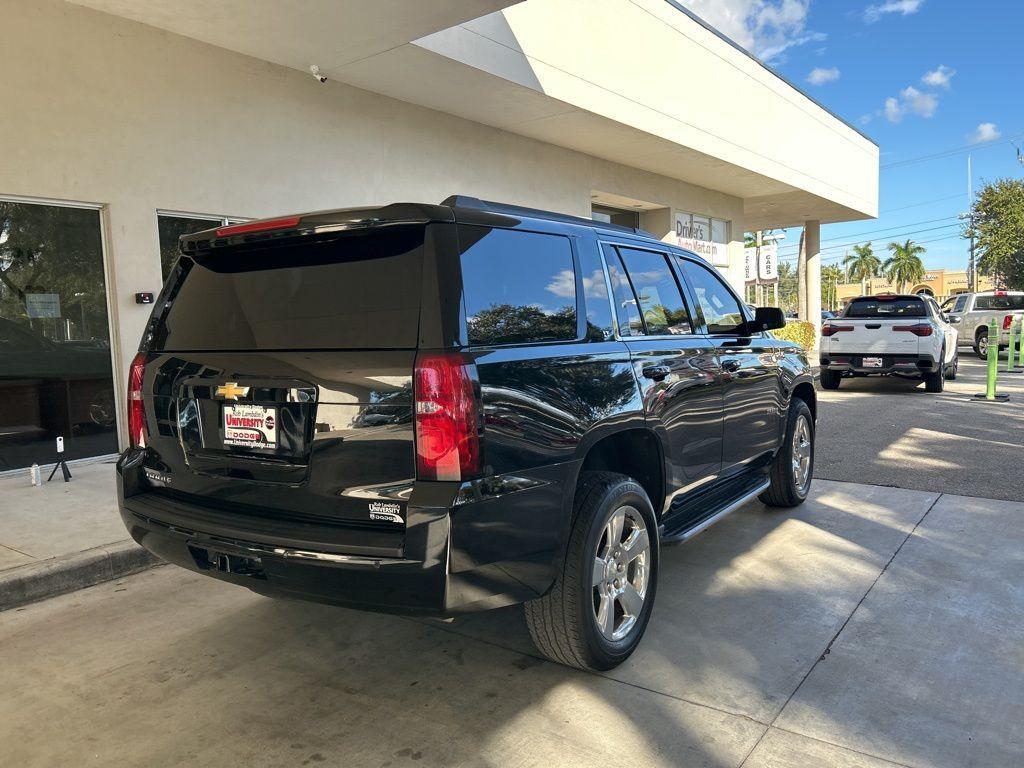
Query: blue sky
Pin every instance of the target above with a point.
(919, 77)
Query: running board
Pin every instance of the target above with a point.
(707, 522)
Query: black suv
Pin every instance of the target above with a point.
(448, 408)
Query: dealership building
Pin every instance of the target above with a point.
(128, 123)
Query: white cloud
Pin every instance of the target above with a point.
(938, 77)
(821, 75)
(984, 132)
(902, 7)
(767, 28)
(910, 102)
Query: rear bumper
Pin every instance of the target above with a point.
(449, 560)
(898, 365)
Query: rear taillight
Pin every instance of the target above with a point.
(259, 226)
(831, 329)
(447, 428)
(918, 329)
(1007, 322)
(137, 432)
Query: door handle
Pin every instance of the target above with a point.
(656, 372)
(731, 366)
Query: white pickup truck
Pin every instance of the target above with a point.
(889, 335)
(971, 313)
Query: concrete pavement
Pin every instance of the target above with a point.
(871, 627)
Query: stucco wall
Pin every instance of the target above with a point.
(104, 110)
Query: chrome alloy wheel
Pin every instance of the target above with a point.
(621, 571)
(802, 453)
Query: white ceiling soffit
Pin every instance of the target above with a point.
(298, 33)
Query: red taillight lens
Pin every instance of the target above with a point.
(1007, 322)
(831, 329)
(137, 432)
(259, 226)
(447, 431)
(918, 329)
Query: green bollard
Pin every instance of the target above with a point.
(1020, 344)
(1012, 348)
(993, 365)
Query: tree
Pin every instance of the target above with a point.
(787, 287)
(862, 265)
(997, 221)
(831, 276)
(904, 266)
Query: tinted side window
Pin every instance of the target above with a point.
(626, 310)
(722, 313)
(518, 286)
(600, 325)
(961, 303)
(661, 303)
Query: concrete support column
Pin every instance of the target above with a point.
(812, 246)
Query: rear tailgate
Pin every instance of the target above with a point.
(873, 336)
(278, 381)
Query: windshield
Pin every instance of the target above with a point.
(873, 307)
(352, 292)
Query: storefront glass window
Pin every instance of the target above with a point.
(55, 370)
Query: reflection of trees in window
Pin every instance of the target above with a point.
(508, 324)
(54, 250)
(663, 320)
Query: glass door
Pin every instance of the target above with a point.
(55, 369)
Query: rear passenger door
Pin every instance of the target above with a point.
(677, 368)
(751, 379)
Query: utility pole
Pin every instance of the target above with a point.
(971, 268)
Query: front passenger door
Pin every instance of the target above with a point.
(752, 382)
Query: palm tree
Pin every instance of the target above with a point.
(862, 265)
(904, 266)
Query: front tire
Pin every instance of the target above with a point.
(598, 608)
(793, 466)
(981, 344)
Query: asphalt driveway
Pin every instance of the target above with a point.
(891, 432)
(870, 627)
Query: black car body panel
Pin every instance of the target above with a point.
(334, 510)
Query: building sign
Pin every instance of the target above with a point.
(697, 234)
(764, 267)
(42, 304)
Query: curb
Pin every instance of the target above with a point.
(49, 578)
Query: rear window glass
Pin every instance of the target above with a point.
(354, 292)
(999, 302)
(870, 307)
(518, 286)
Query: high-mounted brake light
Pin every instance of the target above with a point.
(831, 329)
(259, 226)
(446, 420)
(137, 431)
(999, 293)
(918, 329)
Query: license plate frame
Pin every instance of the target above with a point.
(872, 362)
(251, 426)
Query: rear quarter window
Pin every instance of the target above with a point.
(518, 287)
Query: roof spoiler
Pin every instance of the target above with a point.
(475, 203)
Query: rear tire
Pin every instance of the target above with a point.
(935, 382)
(564, 624)
(830, 379)
(953, 368)
(790, 485)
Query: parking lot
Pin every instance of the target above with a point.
(879, 624)
(889, 431)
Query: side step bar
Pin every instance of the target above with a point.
(702, 525)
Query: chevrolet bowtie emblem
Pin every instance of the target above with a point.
(231, 391)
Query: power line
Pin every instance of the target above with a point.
(883, 229)
(918, 205)
(950, 152)
(841, 246)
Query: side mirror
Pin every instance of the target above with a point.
(951, 320)
(766, 319)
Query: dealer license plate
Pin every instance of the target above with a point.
(872, 362)
(250, 426)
